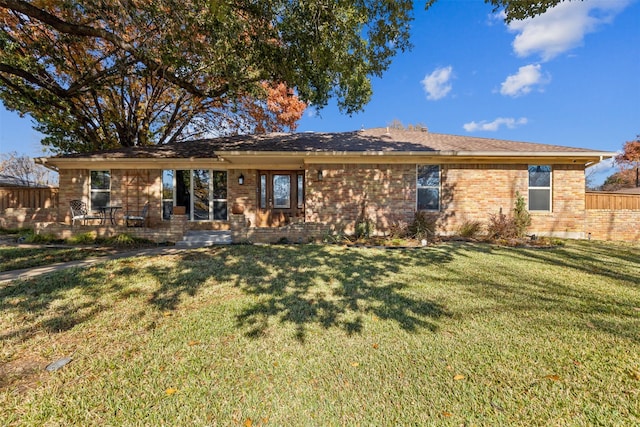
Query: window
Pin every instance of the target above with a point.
(540, 188)
(428, 186)
(203, 192)
(263, 191)
(282, 191)
(300, 191)
(167, 194)
(100, 189)
(219, 187)
(201, 189)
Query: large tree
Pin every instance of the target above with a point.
(629, 159)
(100, 73)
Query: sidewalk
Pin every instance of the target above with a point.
(27, 273)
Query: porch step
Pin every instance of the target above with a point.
(200, 239)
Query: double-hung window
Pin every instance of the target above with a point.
(428, 187)
(540, 188)
(100, 189)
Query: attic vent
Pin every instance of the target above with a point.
(424, 129)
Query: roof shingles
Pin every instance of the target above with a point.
(365, 141)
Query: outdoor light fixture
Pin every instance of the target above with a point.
(319, 174)
(241, 179)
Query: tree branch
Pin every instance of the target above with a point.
(86, 31)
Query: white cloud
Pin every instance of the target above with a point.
(562, 27)
(437, 84)
(522, 82)
(493, 126)
(311, 112)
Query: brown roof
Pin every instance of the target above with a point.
(365, 141)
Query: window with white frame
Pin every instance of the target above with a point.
(428, 187)
(540, 188)
(100, 189)
(168, 185)
(203, 193)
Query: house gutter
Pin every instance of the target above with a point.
(227, 158)
(600, 154)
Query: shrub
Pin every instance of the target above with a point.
(364, 228)
(398, 229)
(41, 238)
(423, 225)
(82, 239)
(470, 229)
(19, 231)
(521, 217)
(126, 240)
(501, 227)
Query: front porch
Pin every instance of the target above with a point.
(175, 229)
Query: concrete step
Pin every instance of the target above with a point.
(199, 239)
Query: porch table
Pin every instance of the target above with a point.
(111, 210)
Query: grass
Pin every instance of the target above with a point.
(21, 257)
(17, 258)
(453, 334)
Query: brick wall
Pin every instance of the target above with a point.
(243, 196)
(74, 184)
(167, 231)
(386, 193)
(473, 192)
(607, 224)
(382, 193)
(25, 217)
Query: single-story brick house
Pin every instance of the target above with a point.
(301, 185)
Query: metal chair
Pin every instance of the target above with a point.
(79, 212)
(137, 220)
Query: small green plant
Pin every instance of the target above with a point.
(19, 231)
(364, 228)
(521, 217)
(423, 225)
(82, 239)
(125, 240)
(470, 229)
(41, 238)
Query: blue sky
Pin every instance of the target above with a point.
(568, 77)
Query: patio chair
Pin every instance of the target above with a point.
(79, 212)
(137, 219)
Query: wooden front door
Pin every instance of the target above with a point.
(280, 197)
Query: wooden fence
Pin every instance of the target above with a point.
(612, 201)
(27, 197)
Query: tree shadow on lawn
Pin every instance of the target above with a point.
(335, 290)
(43, 306)
(326, 286)
(307, 285)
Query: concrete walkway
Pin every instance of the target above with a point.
(28, 273)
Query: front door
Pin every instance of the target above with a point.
(280, 197)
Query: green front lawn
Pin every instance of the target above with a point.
(17, 258)
(454, 334)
